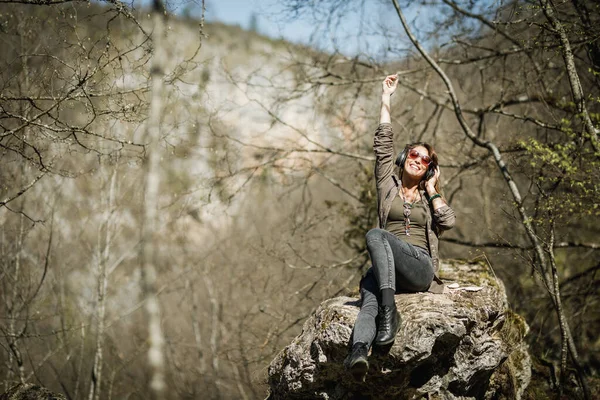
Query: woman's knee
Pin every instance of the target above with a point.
(368, 283)
(374, 235)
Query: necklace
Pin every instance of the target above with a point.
(415, 196)
(406, 211)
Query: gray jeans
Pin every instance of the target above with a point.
(397, 265)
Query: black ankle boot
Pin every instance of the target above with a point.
(357, 362)
(389, 324)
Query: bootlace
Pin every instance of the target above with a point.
(386, 323)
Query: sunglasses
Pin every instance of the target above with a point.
(414, 154)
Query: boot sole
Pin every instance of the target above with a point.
(359, 369)
(387, 342)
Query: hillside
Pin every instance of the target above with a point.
(266, 192)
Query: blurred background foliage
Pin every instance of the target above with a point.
(266, 183)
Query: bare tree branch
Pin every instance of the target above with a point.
(22, 191)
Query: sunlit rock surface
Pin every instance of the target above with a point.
(29, 391)
(462, 344)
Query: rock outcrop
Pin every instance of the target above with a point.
(464, 344)
(30, 391)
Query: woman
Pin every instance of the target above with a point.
(404, 248)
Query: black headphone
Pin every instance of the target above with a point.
(402, 158)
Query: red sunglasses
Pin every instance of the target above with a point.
(426, 160)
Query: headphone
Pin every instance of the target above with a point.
(402, 158)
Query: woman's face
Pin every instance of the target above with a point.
(417, 161)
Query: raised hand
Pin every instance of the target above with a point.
(431, 182)
(390, 83)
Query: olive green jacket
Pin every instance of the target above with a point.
(388, 185)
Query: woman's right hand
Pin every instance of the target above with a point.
(390, 83)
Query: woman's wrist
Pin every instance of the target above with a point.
(385, 114)
(434, 196)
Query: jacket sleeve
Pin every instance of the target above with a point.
(444, 218)
(383, 146)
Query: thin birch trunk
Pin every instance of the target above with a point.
(197, 330)
(156, 357)
(567, 341)
(564, 349)
(8, 362)
(13, 310)
(104, 248)
(80, 366)
(525, 218)
(238, 381)
(14, 313)
(214, 336)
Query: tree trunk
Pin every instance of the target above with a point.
(197, 331)
(104, 250)
(156, 358)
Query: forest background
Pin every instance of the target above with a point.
(176, 196)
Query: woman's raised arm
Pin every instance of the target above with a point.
(390, 83)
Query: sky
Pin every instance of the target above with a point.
(354, 27)
(268, 14)
(352, 35)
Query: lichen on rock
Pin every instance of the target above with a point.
(460, 344)
(30, 391)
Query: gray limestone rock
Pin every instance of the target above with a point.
(29, 391)
(457, 345)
